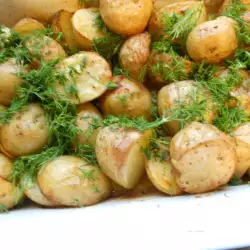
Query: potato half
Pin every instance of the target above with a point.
(62, 23)
(126, 18)
(242, 139)
(86, 28)
(26, 133)
(27, 26)
(9, 81)
(212, 41)
(134, 55)
(71, 181)
(87, 114)
(119, 154)
(89, 79)
(204, 158)
(130, 98)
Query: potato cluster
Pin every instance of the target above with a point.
(141, 80)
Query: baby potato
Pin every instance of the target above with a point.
(162, 68)
(71, 181)
(158, 4)
(90, 81)
(119, 154)
(87, 114)
(204, 158)
(213, 6)
(130, 98)
(242, 139)
(9, 80)
(61, 22)
(27, 26)
(5, 166)
(212, 41)
(134, 55)
(174, 93)
(126, 18)
(44, 48)
(26, 133)
(156, 23)
(85, 28)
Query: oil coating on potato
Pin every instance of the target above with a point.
(87, 114)
(130, 98)
(9, 81)
(126, 17)
(212, 41)
(183, 91)
(134, 55)
(71, 181)
(90, 81)
(242, 139)
(85, 27)
(26, 132)
(119, 154)
(204, 158)
(27, 26)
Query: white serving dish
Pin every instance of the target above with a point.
(218, 220)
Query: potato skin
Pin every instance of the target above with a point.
(158, 4)
(71, 181)
(130, 98)
(212, 41)
(126, 18)
(27, 26)
(26, 133)
(84, 27)
(242, 139)
(86, 115)
(134, 55)
(5, 166)
(204, 158)
(9, 81)
(119, 154)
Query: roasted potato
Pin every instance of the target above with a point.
(9, 80)
(126, 18)
(71, 181)
(203, 157)
(26, 133)
(27, 26)
(85, 27)
(87, 114)
(158, 4)
(171, 95)
(62, 22)
(90, 81)
(134, 55)
(156, 23)
(242, 138)
(212, 41)
(91, 3)
(130, 98)
(213, 6)
(119, 154)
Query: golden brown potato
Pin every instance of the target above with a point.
(204, 158)
(213, 6)
(71, 181)
(174, 93)
(126, 18)
(130, 98)
(212, 41)
(156, 23)
(9, 81)
(134, 55)
(27, 26)
(119, 154)
(62, 23)
(87, 114)
(85, 28)
(90, 81)
(26, 132)
(158, 4)
(91, 3)
(44, 48)
(45, 9)
(162, 68)
(242, 139)
(5, 166)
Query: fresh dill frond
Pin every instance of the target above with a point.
(111, 85)
(8, 37)
(117, 71)
(235, 181)
(143, 73)
(241, 59)
(154, 106)
(230, 118)
(203, 71)
(163, 45)
(3, 209)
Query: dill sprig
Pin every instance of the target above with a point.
(3, 209)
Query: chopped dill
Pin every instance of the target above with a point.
(3, 209)
(235, 181)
